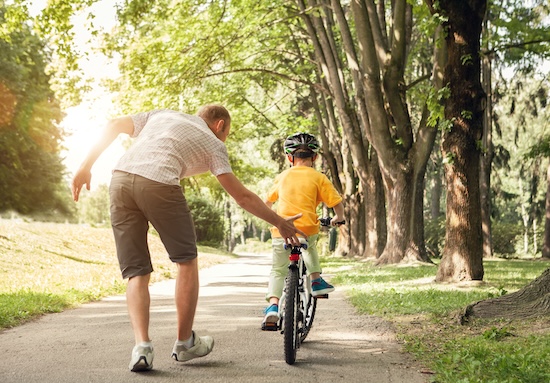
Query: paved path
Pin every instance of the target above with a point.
(93, 343)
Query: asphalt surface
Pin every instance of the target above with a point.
(93, 342)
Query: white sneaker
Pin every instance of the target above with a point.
(142, 358)
(202, 346)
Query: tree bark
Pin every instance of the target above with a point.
(546, 248)
(463, 253)
(531, 301)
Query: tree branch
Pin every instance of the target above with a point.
(488, 52)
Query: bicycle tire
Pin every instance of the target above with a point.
(308, 311)
(290, 316)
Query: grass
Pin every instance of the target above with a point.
(47, 267)
(425, 317)
(50, 267)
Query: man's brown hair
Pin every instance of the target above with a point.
(214, 112)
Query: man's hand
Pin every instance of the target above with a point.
(288, 231)
(82, 177)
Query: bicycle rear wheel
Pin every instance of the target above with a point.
(309, 305)
(290, 315)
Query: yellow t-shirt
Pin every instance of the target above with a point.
(300, 189)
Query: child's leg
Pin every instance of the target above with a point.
(279, 269)
(319, 286)
(311, 257)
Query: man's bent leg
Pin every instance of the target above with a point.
(189, 345)
(139, 302)
(187, 295)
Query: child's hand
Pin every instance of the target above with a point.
(336, 220)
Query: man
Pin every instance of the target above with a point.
(145, 188)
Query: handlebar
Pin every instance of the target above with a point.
(327, 220)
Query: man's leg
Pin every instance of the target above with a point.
(186, 295)
(139, 301)
(189, 345)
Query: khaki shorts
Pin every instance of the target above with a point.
(136, 201)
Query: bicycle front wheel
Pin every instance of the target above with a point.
(290, 315)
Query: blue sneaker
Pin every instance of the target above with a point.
(271, 314)
(320, 287)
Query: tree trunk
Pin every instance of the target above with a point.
(436, 191)
(376, 230)
(487, 156)
(399, 191)
(546, 248)
(463, 253)
(531, 301)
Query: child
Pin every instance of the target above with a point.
(299, 189)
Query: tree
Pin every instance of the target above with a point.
(542, 149)
(462, 255)
(372, 102)
(531, 301)
(31, 170)
(514, 35)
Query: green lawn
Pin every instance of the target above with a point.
(425, 315)
(47, 267)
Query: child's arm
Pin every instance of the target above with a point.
(339, 214)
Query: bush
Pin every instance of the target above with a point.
(434, 236)
(208, 220)
(505, 237)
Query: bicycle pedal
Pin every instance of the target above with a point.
(324, 296)
(270, 326)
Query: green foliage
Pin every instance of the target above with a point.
(31, 171)
(505, 238)
(520, 139)
(434, 236)
(93, 207)
(435, 102)
(208, 220)
(520, 33)
(541, 148)
(244, 62)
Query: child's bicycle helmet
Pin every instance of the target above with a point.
(307, 145)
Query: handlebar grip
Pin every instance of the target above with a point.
(326, 221)
(302, 245)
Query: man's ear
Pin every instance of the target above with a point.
(290, 158)
(314, 157)
(219, 125)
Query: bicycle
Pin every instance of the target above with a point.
(298, 305)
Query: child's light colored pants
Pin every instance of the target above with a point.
(279, 266)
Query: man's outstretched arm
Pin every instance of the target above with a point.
(250, 202)
(83, 175)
